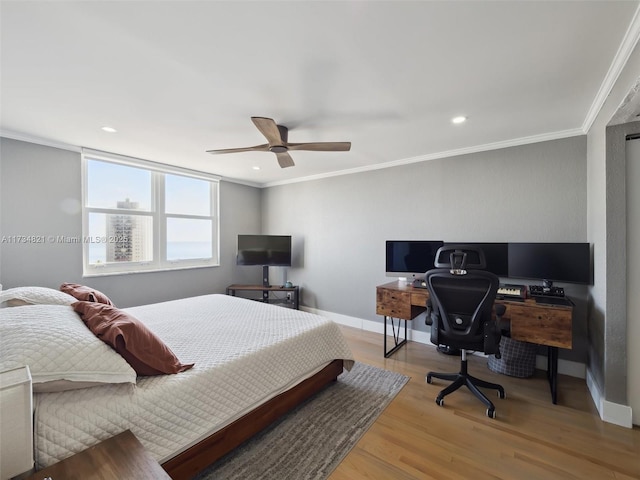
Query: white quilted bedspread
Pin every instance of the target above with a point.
(245, 352)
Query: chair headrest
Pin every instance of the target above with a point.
(460, 257)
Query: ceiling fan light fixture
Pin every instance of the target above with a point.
(278, 143)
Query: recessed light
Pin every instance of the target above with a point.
(459, 119)
(256, 168)
(109, 129)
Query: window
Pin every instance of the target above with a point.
(139, 216)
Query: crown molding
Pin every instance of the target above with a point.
(39, 140)
(395, 163)
(434, 156)
(629, 41)
(74, 148)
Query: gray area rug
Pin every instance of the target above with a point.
(310, 442)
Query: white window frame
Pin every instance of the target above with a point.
(159, 262)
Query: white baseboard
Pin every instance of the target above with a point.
(367, 325)
(609, 412)
(565, 367)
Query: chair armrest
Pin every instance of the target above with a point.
(492, 331)
(428, 320)
(503, 325)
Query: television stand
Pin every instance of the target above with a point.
(274, 294)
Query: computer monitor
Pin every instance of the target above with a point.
(561, 262)
(496, 256)
(410, 258)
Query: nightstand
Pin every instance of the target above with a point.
(118, 458)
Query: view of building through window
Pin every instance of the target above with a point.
(128, 238)
(131, 236)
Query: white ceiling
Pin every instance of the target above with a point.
(177, 78)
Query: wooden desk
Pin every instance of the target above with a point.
(118, 458)
(548, 325)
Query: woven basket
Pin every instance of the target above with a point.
(518, 359)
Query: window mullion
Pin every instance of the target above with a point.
(85, 212)
(188, 216)
(215, 223)
(160, 240)
(119, 211)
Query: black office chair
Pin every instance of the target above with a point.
(459, 310)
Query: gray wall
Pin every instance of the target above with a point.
(530, 193)
(607, 363)
(40, 190)
(615, 328)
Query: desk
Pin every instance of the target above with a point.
(547, 325)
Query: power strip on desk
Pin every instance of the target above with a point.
(540, 291)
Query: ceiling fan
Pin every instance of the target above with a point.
(277, 135)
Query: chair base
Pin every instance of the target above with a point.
(471, 382)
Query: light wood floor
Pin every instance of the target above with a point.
(530, 439)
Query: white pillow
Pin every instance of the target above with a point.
(60, 350)
(19, 296)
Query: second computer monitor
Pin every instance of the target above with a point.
(496, 255)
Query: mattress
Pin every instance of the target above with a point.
(245, 353)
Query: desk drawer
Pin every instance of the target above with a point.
(542, 325)
(393, 303)
(419, 297)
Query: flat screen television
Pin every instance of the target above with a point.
(265, 250)
(496, 256)
(560, 262)
(410, 258)
(270, 250)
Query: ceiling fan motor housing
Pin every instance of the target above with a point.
(284, 135)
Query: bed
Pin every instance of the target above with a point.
(253, 362)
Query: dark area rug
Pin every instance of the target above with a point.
(310, 442)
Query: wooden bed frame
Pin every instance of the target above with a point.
(195, 459)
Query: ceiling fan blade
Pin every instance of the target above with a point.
(284, 159)
(258, 148)
(269, 129)
(321, 146)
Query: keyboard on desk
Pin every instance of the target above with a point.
(549, 300)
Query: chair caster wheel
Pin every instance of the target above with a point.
(501, 394)
(428, 378)
(491, 413)
(440, 401)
